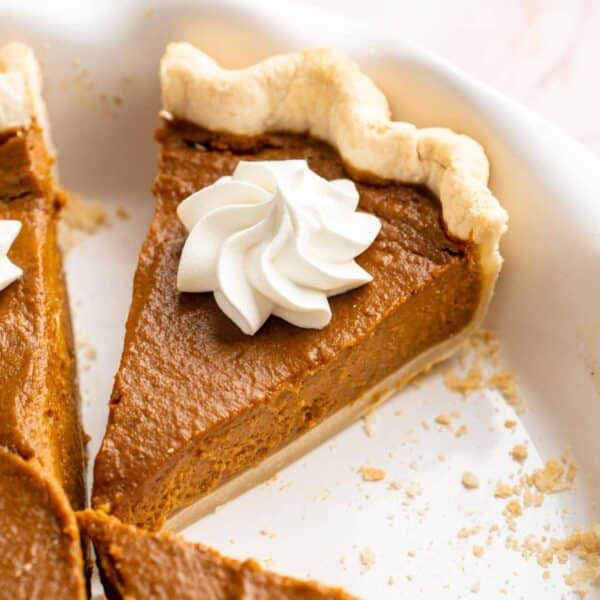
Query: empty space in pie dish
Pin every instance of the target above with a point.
(412, 531)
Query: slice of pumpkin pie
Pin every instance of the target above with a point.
(307, 257)
(39, 400)
(135, 565)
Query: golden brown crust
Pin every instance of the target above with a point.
(40, 549)
(136, 565)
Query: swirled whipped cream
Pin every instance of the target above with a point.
(274, 238)
(9, 272)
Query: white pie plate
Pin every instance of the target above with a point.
(318, 514)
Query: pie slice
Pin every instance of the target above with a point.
(200, 410)
(39, 401)
(136, 564)
(40, 550)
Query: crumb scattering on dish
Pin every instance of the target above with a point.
(553, 477)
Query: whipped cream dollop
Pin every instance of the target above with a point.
(9, 230)
(274, 238)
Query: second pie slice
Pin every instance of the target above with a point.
(201, 409)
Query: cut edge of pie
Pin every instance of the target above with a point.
(324, 94)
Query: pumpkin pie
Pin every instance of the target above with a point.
(39, 400)
(137, 564)
(40, 550)
(201, 410)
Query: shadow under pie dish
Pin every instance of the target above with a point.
(200, 410)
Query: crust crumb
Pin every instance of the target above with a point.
(367, 557)
(444, 420)
(461, 431)
(470, 480)
(503, 490)
(472, 381)
(552, 478)
(504, 381)
(372, 473)
(467, 532)
(79, 217)
(510, 424)
(519, 453)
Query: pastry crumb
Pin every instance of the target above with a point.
(367, 557)
(475, 588)
(413, 489)
(470, 480)
(79, 217)
(510, 424)
(551, 478)
(504, 381)
(461, 431)
(396, 484)
(513, 509)
(467, 532)
(478, 551)
(503, 490)
(372, 473)
(519, 453)
(473, 380)
(444, 420)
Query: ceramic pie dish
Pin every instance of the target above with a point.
(545, 180)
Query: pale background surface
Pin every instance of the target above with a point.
(543, 53)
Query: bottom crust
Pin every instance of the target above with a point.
(337, 422)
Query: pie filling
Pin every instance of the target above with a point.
(39, 402)
(196, 402)
(179, 569)
(39, 540)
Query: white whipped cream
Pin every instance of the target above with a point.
(9, 272)
(274, 238)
